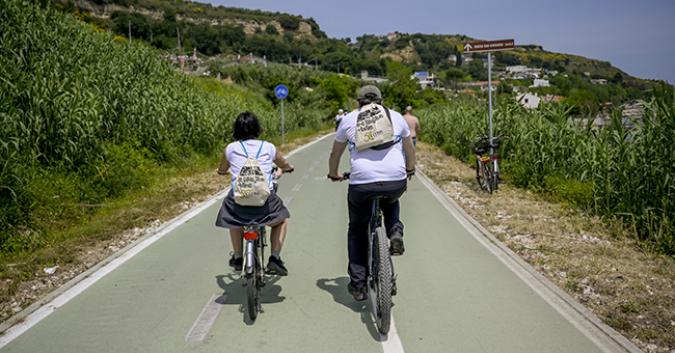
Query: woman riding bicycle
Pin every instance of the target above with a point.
(273, 213)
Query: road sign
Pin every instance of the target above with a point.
(487, 46)
(281, 91)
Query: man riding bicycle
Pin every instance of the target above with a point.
(376, 171)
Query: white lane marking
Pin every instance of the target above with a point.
(86, 279)
(288, 200)
(305, 176)
(297, 187)
(205, 321)
(603, 336)
(29, 317)
(310, 144)
(391, 343)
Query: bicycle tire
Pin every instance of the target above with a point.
(251, 297)
(479, 174)
(382, 282)
(487, 178)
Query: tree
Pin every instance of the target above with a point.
(271, 30)
(338, 90)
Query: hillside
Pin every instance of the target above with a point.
(217, 30)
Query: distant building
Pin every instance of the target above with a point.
(528, 100)
(549, 98)
(424, 79)
(599, 81)
(538, 82)
(483, 85)
(522, 72)
(365, 77)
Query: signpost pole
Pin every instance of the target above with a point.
(283, 131)
(490, 99)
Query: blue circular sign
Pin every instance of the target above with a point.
(281, 91)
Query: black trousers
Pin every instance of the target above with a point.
(360, 199)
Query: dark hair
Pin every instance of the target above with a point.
(246, 126)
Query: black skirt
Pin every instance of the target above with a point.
(232, 215)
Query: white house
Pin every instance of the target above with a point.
(538, 82)
(599, 81)
(528, 100)
(424, 79)
(519, 72)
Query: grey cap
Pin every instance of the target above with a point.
(408, 108)
(369, 90)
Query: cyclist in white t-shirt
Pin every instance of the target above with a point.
(273, 213)
(374, 172)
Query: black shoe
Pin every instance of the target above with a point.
(276, 267)
(236, 263)
(359, 293)
(396, 247)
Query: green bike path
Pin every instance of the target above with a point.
(178, 295)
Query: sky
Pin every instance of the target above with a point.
(637, 36)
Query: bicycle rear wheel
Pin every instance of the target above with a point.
(479, 174)
(383, 273)
(251, 297)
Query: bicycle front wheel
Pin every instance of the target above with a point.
(382, 281)
(486, 180)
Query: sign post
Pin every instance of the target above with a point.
(281, 92)
(489, 47)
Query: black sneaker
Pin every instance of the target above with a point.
(359, 293)
(276, 267)
(396, 247)
(236, 263)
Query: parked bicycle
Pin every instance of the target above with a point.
(381, 277)
(255, 242)
(487, 165)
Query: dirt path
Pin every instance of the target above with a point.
(629, 289)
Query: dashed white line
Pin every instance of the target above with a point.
(202, 326)
(297, 187)
(392, 342)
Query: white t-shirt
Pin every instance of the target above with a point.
(237, 157)
(369, 166)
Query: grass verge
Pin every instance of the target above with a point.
(74, 247)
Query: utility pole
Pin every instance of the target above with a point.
(181, 60)
(129, 26)
(178, 37)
